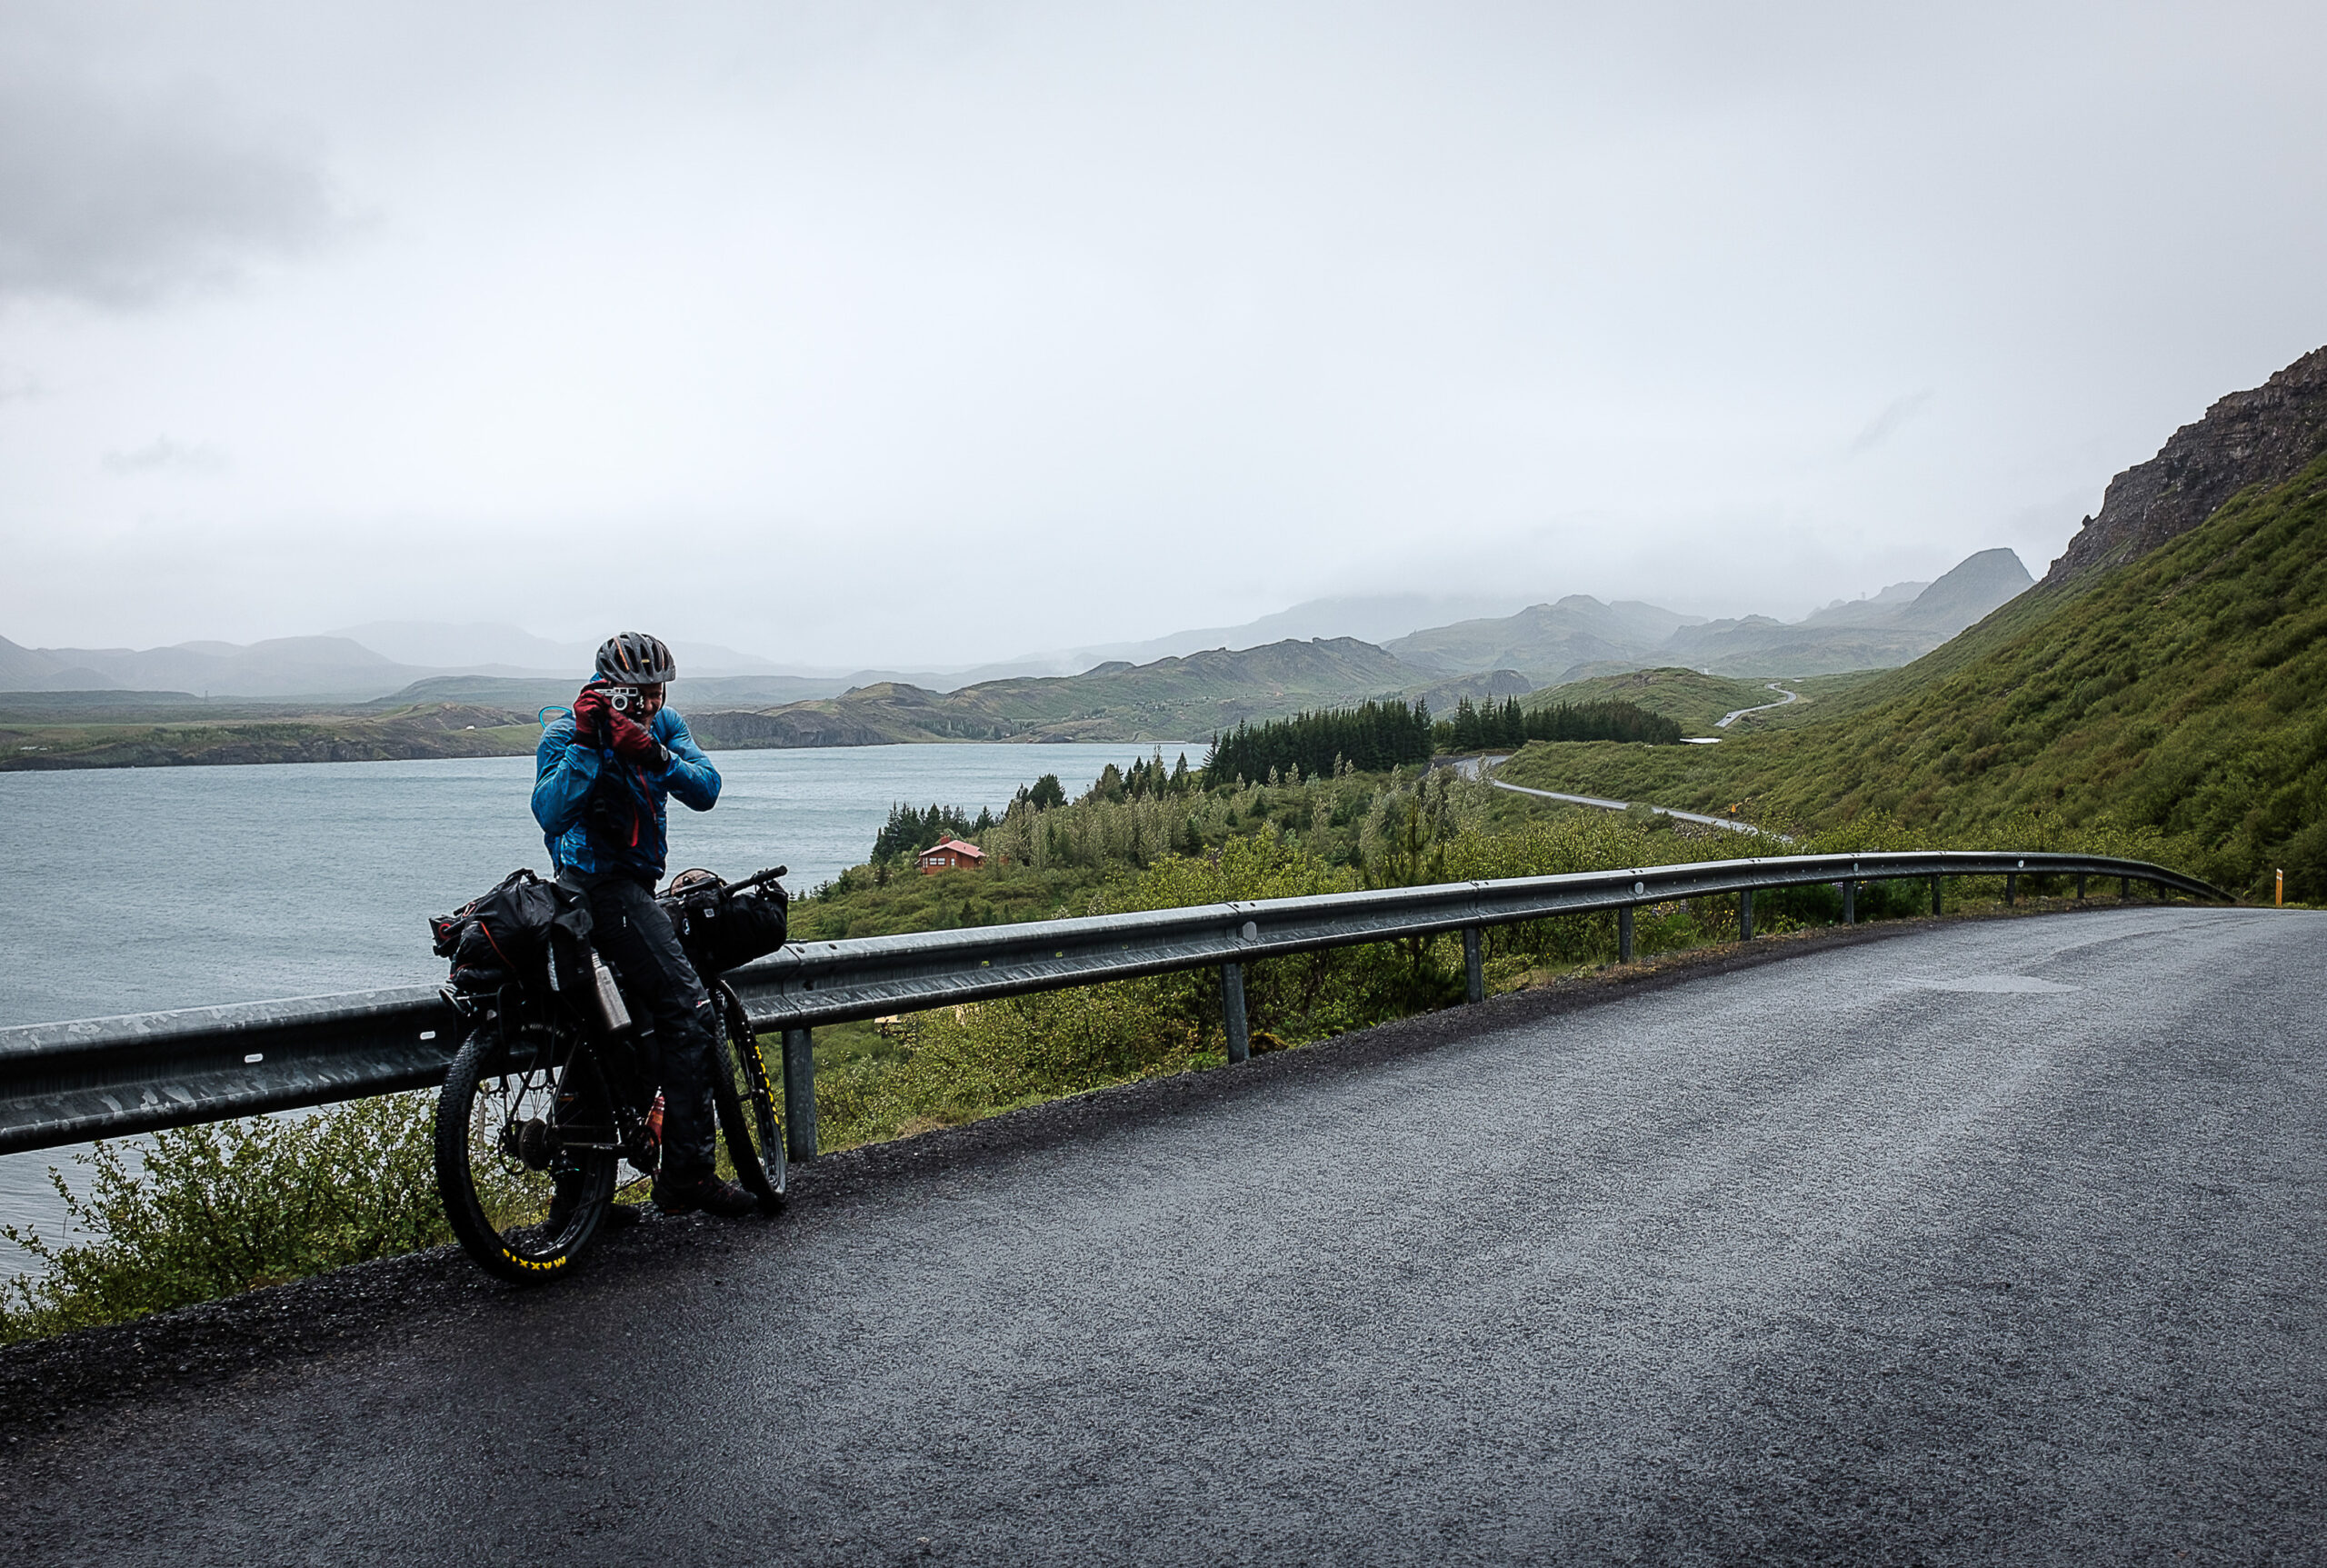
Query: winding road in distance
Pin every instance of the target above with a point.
(1727, 824)
(1733, 715)
(1992, 1240)
(1477, 768)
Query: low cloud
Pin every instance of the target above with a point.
(163, 455)
(124, 199)
(1885, 425)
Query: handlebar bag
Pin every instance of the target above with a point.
(720, 928)
(510, 934)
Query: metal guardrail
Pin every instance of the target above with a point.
(102, 1077)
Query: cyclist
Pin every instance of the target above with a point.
(601, 776)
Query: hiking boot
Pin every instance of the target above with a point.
(706, 1193)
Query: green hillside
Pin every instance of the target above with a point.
(1170, 700)
(432, 730)
(2180, 693)
(1696, 701)
(1699, 701)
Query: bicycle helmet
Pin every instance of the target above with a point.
(635, 659)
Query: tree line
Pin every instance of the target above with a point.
(1372, 737)
(1379, 736)
(1474, 728)
(909, 832)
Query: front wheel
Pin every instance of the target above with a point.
(523, 1201)
(750, 1104)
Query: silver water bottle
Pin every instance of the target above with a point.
(611, 1011)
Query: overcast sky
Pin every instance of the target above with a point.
(902, 334)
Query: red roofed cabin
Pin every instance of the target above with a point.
(950, 854)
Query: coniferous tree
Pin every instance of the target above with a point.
(1475, 729)
(1370, 738)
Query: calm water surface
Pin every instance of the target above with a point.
(134, 890)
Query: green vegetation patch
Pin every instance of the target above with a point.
(226, 1207)
(440, 730)
(1696, 701)
(1372, 737)
(1491, 727)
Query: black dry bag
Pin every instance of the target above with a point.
(508, 936)
(722, 928)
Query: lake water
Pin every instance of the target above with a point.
(134, 890)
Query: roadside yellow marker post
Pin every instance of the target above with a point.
(2282, 887)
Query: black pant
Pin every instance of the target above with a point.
(677, 1042)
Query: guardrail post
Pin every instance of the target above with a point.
(2079, 885)
(1850, 901)
(800, 1094)
(1474, 968)
(1232, 1012)
(2011, 889)
(2125, 888)
(1625, 934)
(1745, 915)
(1934, 894)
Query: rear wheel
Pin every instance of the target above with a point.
(524, 1200)
(750, 1105)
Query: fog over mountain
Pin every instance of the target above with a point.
(493, 647)
(1540, 644)
(1371, 618)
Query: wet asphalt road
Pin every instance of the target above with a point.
(1996, 1241)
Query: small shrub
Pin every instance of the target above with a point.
(214, 1210)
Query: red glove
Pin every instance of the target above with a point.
(631, 741)
(590, 716)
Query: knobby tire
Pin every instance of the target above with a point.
(500, 1208)
(750, 1104)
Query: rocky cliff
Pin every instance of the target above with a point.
(2258, 437)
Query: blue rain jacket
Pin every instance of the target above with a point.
(600, 813)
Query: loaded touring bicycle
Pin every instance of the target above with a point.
(548, 1120)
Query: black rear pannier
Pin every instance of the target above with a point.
(508, 934)
(720, 928)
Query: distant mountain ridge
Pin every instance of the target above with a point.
(1376, 618)
(1875, 637)
(1579, 638)
(279, 667)
(485, 647)
(343, 667)
(1871, 611)
(1568, 639)
(1172, 701)
(1545, 641)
